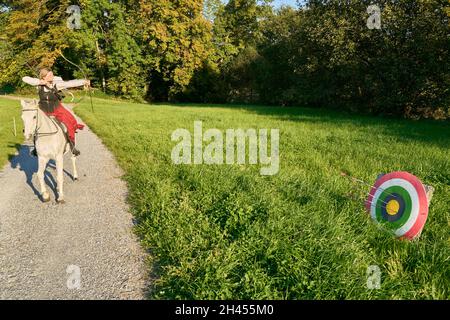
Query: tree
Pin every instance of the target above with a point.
(175, 39)
(282, 57)
(33, 34)
(331, 58)
(320, 54)
(236, 32)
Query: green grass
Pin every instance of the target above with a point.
(8, 143)
(226, 232)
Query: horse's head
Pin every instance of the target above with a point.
(29, 116)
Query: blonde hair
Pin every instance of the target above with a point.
(44, 72)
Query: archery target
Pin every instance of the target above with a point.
(399, 202)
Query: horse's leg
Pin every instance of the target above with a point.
(60, 177)
(41, 176)
(74, 164)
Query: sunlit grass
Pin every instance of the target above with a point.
(227, 232)
(9, 110)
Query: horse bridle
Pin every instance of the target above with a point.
(36, 133)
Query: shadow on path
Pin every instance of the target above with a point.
(29, 165)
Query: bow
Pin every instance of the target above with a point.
(82, 71)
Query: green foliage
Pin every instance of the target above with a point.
(32, 33)
(321, 54)
(106, 48)
(175, 38)
(240, 19)
(226, 232)
(281, 59)
(240, 76)
(327, 56)
(125, 61)
(230, 67)
(36, 32)
(206, 85)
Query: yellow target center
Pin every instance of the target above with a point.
(392, 207)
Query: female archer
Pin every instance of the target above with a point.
(50, 98)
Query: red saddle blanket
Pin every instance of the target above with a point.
(66, 117)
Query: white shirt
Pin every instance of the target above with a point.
(58, 82)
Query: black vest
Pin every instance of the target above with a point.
(48, 101)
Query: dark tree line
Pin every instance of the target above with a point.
(320, 54)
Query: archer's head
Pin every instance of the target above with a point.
(46, 74)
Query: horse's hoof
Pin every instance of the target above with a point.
(45, 200)
(60, 201)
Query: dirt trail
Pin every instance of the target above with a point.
(44, 245)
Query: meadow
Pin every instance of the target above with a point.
(8, 142)
(227, 232)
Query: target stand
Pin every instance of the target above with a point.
(399, 201)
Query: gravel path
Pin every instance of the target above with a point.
(84, 249)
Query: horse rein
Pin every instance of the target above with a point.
(36, 133)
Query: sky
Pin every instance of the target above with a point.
(279, 3)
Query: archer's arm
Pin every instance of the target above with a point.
(31, 81)
(60, 85)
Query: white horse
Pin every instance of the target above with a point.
(51, 144)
